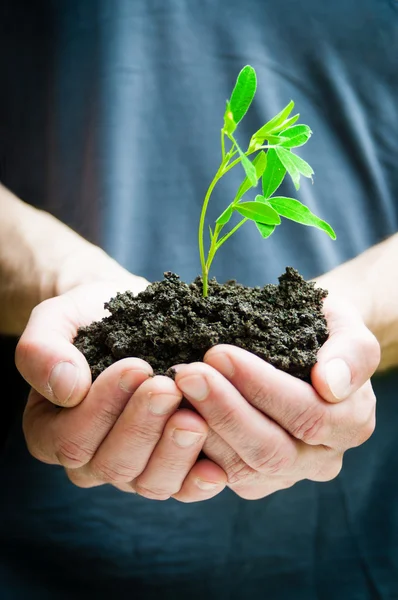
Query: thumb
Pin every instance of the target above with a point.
(46, 357)
(350, 355)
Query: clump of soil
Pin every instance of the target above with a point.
(171, 323)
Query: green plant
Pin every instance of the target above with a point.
(278, 137)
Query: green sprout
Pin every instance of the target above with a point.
(277, 137)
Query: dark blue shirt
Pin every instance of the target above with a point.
(110, 115)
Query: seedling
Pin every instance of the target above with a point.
(272, 146)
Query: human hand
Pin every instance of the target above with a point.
(269, 430)
(125, 428)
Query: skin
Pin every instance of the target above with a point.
(260, 429)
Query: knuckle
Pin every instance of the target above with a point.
(152, 493)
(78, 480)
(309, 425)
(72, 454)
(37, 452)
(272, 462)
(258, 492)
(330, 469)
(107, 415)
(237, 470)
(172, 464)
(140, 432)
(366, 430)
(225, 420)
(372, 351)
(112, 473)
(24, 350)
(363, 420)
(260, 397)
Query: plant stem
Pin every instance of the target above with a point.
(228, 235)
(205, 271)
(215, 244)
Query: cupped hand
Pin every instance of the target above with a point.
(269, 430)
(125, 429)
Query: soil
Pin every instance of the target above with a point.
(171, 323)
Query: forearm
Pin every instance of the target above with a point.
(369, 281)
(40, 257)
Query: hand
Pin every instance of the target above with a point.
(125, 428)
(269, 430)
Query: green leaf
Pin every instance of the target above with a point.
(273, 125)
(243, 93)
(288, 123)
(259, 163)
(256, 211)
(294, 165)
(211, 233)
(286, 158)
(276, 140)
(248, 166)
(225, 216)
(229, 123)
(302, 166)
(296, 211)
(295, 136)
(273, 174)
(265, 230)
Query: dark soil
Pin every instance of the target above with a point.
(171, 323)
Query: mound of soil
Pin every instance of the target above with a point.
(171, 323)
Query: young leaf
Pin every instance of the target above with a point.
(260, 163)
(229, 123)
(288, 123)
(286, 158)
(225, 216)
(256, 211)
(265, 230)
(295, 136)
(248, 166)
(276, 140)
(273, 174)
(301, 165)
(243, 93)
(273, 125)
(296, 211)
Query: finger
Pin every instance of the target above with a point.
(318, 463)
(348, 358)
(204, 481)
(126, 450)
(294, 404)
(70, 437)
(288, 401)
(47, 359)
(259, 441)
(45, 355)
(173, 457)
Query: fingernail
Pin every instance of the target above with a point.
(195, 387)
(338, 377)
(206, 485)
(62, 381)
(185, 438)
(162, 404)
(223, 364)
(128, 380)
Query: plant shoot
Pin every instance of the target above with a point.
(272, 150)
